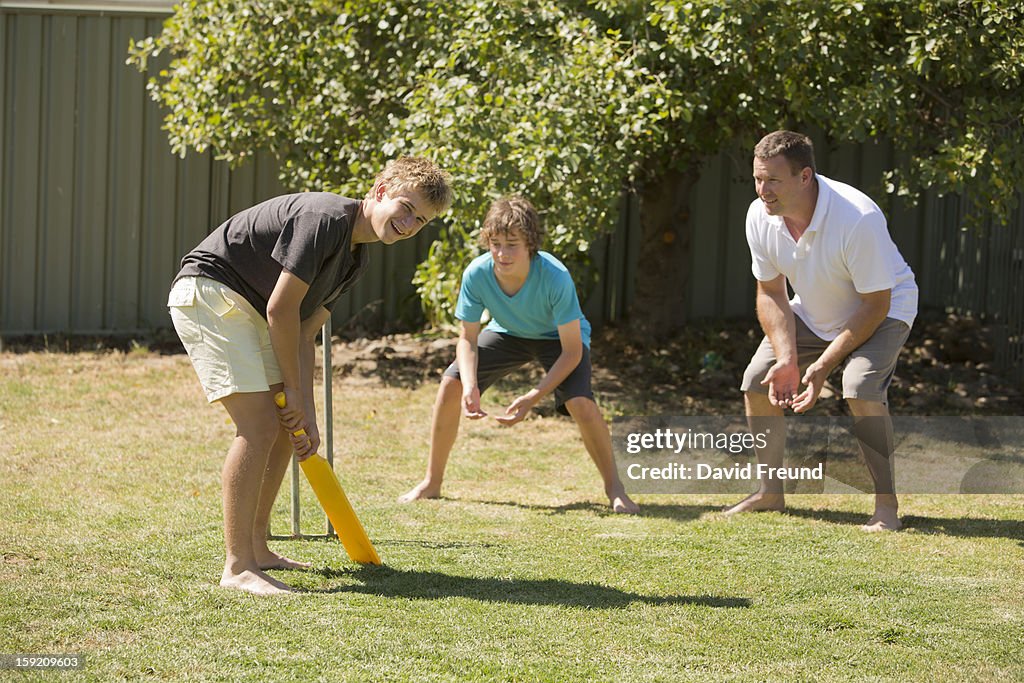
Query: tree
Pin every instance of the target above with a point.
(572, 103)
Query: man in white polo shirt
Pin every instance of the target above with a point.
(855, 301)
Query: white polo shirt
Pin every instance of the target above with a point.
(845, 251)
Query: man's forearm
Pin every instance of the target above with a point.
(779, 325)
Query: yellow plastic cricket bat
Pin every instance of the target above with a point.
(335, 503)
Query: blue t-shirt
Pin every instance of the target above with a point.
(546, 300)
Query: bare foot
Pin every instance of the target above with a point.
(758, 502)
(422, 491)
(255, 582)
(886, 520)
(271, 560)
(622, 504)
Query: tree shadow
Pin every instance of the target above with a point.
(427, 585)
(964, 527)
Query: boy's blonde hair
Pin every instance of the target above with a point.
(513, 213)
(421, 175)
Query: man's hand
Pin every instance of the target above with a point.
(471, 404)
(519, 409)
(814, 379)
(783, 381)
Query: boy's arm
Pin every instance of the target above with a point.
(283, 321)
(571, 338)
(310, 327)
(466, 357)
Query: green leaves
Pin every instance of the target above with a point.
(570, 103)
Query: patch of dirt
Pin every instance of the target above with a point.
(945, 369)
(406, 360)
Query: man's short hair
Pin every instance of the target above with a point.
(795, 147)
(513, 213)
(421, 175)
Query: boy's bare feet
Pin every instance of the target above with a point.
(270, 560)
(623, 504)
(758, 502)
(255, 582)
(422, 491)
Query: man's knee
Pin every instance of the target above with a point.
(862, 385)
(758, 404)
(868, 408)
(752, 378)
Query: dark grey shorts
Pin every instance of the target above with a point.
(499, 354)
(867, 371)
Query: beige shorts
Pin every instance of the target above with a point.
(227, 340)
(867, 371)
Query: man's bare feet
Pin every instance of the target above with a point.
(268, 559)
(422, 491)
(758, 502)
(883, 520)
(623, 504)
(255, 582)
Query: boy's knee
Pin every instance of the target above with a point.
(583, 409)
(450, 389)
(262, 434)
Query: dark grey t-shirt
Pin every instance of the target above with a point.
(309, 233)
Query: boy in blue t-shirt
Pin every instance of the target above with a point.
(535, 315)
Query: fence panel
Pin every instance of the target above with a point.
(95, 212)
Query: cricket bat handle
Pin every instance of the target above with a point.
(281, 401)
(335, 503)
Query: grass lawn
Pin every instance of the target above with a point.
(111, 546)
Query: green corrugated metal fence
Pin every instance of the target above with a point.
(95, 212)
(976, 272)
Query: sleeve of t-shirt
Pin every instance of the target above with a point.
(470, 306)
(302, 246)
(565, 305)
(760, 265)
(867, 251)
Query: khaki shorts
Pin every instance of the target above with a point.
(227, 340)
(868, 369)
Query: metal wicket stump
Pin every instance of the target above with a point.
(326, 448)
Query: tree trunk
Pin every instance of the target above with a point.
(662, 276)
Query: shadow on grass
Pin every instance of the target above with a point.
(677, 512)
(438, 545)
(965, 527)
(424, 585)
